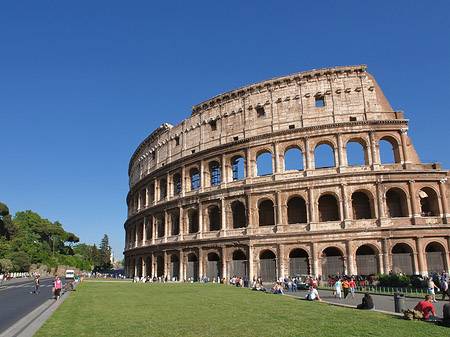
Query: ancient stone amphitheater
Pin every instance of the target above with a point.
(284, 177)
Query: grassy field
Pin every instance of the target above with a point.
(130, 309)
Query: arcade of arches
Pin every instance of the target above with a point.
(419, 256)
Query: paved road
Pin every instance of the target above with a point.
(382, 302)
(17, 301)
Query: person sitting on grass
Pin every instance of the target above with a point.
(367, 303)
(277, 289)
(313, 294)
(425, 307)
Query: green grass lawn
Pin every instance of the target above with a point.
(158, 309)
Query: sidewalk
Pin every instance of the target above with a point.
(28, 325)
(383, 303)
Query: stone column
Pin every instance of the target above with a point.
(386, 255)
(200, 221)
(251, 264)
(341, 159)
(165, 264)
(224, 262)
(345, 203)
(153, 266)
(143, 267)
(166, 226)
(154, 229)
(144, 231)
(443, 200)
(169, 189)
(201, 263)
(350, 258)
(275, 159)
(182, 224)
(414, 202)
(374, 147)
(421, 269)
(312, 209)
(404, 138)
(381, 268)
(309, 154)
(278, 212)
(223, 216)
(202, 176)
(316, 269)
(183, 181)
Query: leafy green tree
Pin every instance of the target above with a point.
(5, 266)
(20, 261)
(7, 226)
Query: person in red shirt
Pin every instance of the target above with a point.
(426, 307)
(352, 287)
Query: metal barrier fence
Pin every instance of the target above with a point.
(417, 292)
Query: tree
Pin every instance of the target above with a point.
(20, 261)
(7, 226)
(5, 266)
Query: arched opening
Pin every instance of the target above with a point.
(139, 268)
(361, 206)
(396, 202)
(213, 266)
(323, 156)
(214, 218)
(176, 184)
(299, 262)
(238, 167)
(151, 193)
(429, 202)
(332, 263)
(389, 150)
(195, 178)
(268, 266)
(293, 159)
(328, 208)
(239, 218)
(192, 267)
(214, 172)
(264, 164)
(265, 212)
(402, 259)
(162, 189)
(366, 261)
(175, 223)
(149, 229)
(161, 226)
(239, 264)
(160, 266)
(356, 153)
(174, 267)
(296, 210)
(193, 221)
(148, 266)
(435, 258)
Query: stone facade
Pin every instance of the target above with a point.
(200, 204)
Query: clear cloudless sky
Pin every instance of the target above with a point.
(83, 83)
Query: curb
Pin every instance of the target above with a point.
(30, 324)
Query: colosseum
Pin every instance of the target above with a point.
(311, 173)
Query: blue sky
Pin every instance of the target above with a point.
(82, 83)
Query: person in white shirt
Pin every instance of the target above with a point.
(313, 295)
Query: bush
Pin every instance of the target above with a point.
(5, 266)
(394, 280)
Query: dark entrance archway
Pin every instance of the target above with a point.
(213, 266)
(332, 263)
(298, 262)
(402, 259)
(192, 267)
(435, 258)
(366, 261)
(174, 267)
(238, 266)
(160, 266)
(268, 266)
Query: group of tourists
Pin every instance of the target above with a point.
(347, 285)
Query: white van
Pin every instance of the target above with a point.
(70, 274)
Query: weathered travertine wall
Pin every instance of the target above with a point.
(187, 204)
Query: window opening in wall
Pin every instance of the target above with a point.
(193, 151)
(238, 168)
(320, 101)
(215, 174)
(328, 208)
(214, 218)
(352, 119)
(264, 164)
(429, 202)
(153, 155)
(213, 125)
(235, 138)
(323, 156)
(177, 141)
(193, 222)
(292, 126)
(260, 112)
(195, 179)
(355, 154)
(177, 184)
(239, 218)
(389, 154)
(163, 189)
(266, 216)
(293, 159)
(175, 220)
(296, 210)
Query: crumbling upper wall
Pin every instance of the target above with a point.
(312, 98)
